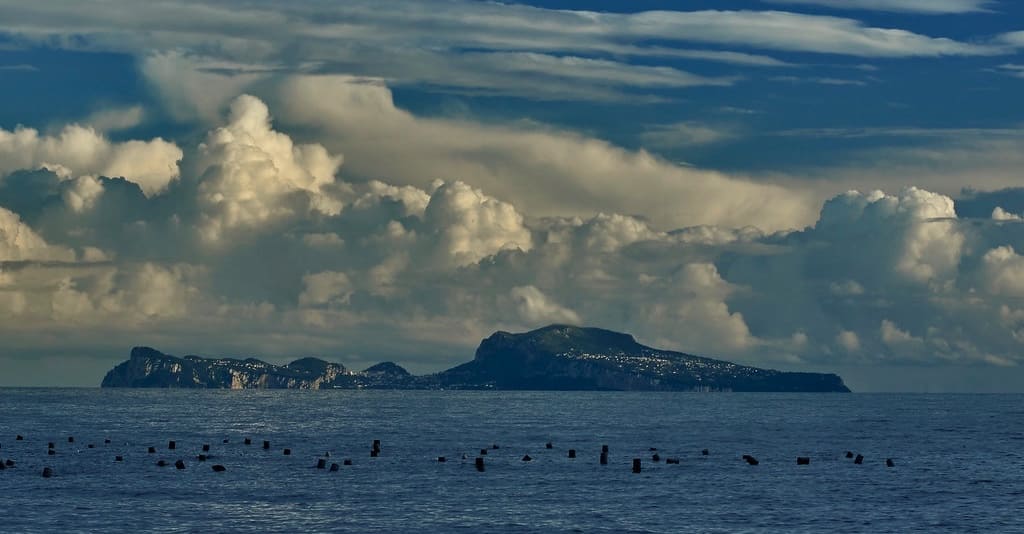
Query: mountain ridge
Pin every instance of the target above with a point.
(555, 357)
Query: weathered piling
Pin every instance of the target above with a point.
(50, 445)
(483, 452)
(495, 446)
(51, 452)
(47, 472)
(671, 460)
(119, 458)
(201, 457)
(206, 448)
(376, 449)
(346, 461)
(226, 441)
(750, 459)
(859, 459)
(604, 449)
(180, 464)
(636, 465)
(604, 458)
(219, 468)
(655, 457)
(334, 467)
(889, 462)
(849, 454)
(527, 458)
(71, 439)
(248, 441)
(572, 453)
(19, 437)
(287, 452)
(442, 459)
(479, 464)
(266, 445)
(321, 463)
(803, 460)
(151, 450)
(106, 441)
(549, 445)
(171, 445)
(161, 463)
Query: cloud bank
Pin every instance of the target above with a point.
(260, 243)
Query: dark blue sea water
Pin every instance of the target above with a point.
(959, 462)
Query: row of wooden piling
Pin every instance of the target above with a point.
(655, 457)
(376, 449)
(49, 472)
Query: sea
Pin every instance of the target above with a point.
(958, 464)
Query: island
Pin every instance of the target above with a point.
(556, 357)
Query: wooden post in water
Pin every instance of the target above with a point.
(604, 458)
(171, 445)
(572, 453)
(636, 465)
(479, 464)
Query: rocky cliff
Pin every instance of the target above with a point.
(151, 368)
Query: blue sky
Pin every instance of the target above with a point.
(673, 169)
(770, 118)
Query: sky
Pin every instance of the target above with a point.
(807, 185)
